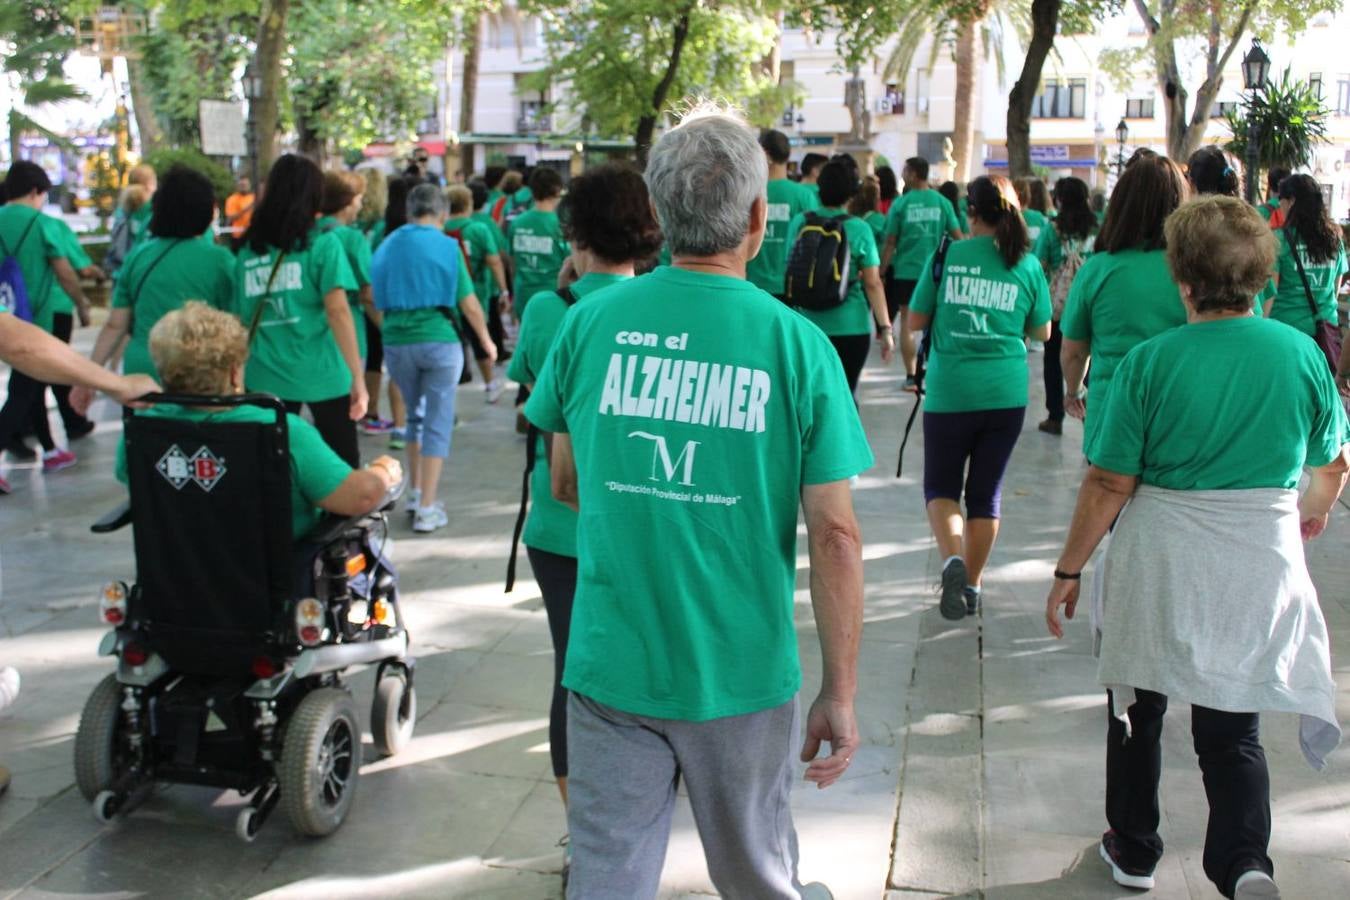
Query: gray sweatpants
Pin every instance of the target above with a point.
(624, 770)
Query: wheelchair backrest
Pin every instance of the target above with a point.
(211, 512)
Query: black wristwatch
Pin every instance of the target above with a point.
(1067, 576)
(882, 330)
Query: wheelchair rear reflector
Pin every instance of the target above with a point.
(356, 565)
(134, 655)
(263, 667)
(309, 621)
(112, 603)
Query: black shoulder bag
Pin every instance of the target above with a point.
(1326, 334)
(925, 345)
(531, 457)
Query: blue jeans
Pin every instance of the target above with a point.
(427, 375)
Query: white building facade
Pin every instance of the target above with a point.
(1074, 118)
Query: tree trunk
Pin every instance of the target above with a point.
(468, 90)
(772, 64)
(143, 107)
(1044, 24)
(267, 61)
(963, 128)
(647, 123)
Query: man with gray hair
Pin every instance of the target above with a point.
(692, 412)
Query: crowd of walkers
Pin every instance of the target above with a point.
(680, 417)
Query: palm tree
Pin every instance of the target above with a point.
(965, 27)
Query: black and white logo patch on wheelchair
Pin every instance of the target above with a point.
(203, 467)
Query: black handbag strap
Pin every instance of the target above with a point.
(531, 458)
(256, 321)
(140, 285)
(1303, 276)
(925, 347)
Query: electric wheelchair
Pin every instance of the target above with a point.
(233, 640)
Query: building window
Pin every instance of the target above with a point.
(922, 83)
(893, 102)
(1141, 108)
(1343, 96)
(505, 33)
(1222, 109)
(534, 116)
(1315, 82)
(1061, 100)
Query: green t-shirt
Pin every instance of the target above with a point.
(522, 198)
(978, 358)
(479, 244)
(1036, 222)
(551, 526)
(44, 240)
(161, 275)
(1049, 249)
(294, 354)
(1175, 419)
(854, 315)
(316, 471)
(539, 251)
(1291, 302)
(61, 302)
(692, 444)
(498, 238)
(375, 235)
(877, 222)
(357, 248)
(917, 221)
(787, 200)
(424, 326)
(1118, 301)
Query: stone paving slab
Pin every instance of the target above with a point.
(980, 774)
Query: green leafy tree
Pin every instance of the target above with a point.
(39, 37)
(358, 70)
(626, 62)
(191, 55)
(1177, 29)
(1290, 120)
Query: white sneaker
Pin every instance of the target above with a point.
(414, 500)
(1256, 885)
(429, 518)
(493, 391)
(9, 686)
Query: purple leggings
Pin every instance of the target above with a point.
(985, 438)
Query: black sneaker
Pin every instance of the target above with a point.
(973, 596)
(20, 451)
(953, 604)
(77, 430)
(1125, 876)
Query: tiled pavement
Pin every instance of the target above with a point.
(981, 773)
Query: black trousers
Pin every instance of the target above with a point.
(494, 326)
(17, 415)
(1054, 374)
(335, 427)
(852, 350)
(557, 579)
(1237, 785)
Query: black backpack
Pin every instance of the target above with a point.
(818, 264)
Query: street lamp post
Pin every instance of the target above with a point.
(1255, 68)
(1098, 165)
(1122, 135)
(253, 89)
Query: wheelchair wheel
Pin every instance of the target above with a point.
(320, 762)
(393, 714)
(100, 756)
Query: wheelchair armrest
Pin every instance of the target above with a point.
(119, 517)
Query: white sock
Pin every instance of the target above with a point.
(9, 686)
(948, 561)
